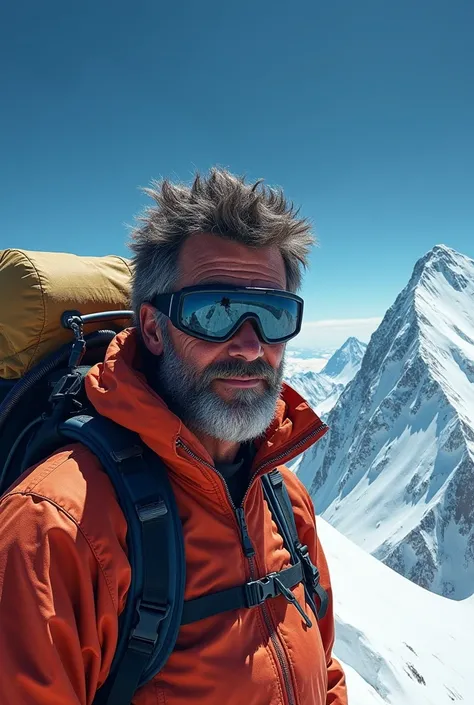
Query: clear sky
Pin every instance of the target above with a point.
(362, 111)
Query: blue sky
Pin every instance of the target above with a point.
(363, 112)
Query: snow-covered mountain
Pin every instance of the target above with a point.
(313, 386)
(399, 643)
(396, 471)
(345, 363)
(322, 389)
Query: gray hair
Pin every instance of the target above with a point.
(219, 203)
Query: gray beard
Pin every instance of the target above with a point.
(189, 395)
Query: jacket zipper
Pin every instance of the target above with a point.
(275, 459)
(300, 443)
(249, 551)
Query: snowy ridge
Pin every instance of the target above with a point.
(322, 389)
(399, 643)
(395, 472)
(345, 363)
(314, 387)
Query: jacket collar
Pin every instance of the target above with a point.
(118, 389)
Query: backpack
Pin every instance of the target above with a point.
(45, 409)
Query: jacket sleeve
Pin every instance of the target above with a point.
(57, 635)
(337, 691)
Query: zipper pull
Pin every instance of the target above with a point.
(288, 595)
(246, 542)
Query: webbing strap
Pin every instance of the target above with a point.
(284, 501)
(156, 573)
(250, 594)
(281, 508)
(150, 622)
(151, 609)
(274, 490)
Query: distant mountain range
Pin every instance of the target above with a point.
(322, 389)
(395, 473)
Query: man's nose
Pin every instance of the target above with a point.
(246, 344)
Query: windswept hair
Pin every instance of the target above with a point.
(220, 203)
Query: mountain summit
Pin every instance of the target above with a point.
(396, 471)
(345, 362)
(322, 389)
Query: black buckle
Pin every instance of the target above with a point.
(152, 511)
(68, 386)
(271, 585)
(122, 454)
(145, 633)
(275, 477)
(257, 591)
(311, 571)
(312, 579)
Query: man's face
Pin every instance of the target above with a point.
(202, 381)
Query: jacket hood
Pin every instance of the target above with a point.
(118, 389)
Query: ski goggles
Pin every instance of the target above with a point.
(215, 313)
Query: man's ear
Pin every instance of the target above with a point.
(151, 331)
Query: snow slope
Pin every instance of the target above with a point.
(314, 387)
(396, 471)
(399, 643)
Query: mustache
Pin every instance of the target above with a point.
(238, 368)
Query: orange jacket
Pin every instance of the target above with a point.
(64, 572)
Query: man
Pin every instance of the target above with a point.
(216, 269)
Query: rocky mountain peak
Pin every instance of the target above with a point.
(345, 359)
(396, 471)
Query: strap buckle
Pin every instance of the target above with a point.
(311, 571)
(152, 510)
(68, 386)
(145, 633)
(275, 477)
(257, 591)
(271, 586)
(312, 578)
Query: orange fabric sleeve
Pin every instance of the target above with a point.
(57, 627)
(337, 690)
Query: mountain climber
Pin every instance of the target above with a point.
(211, 403)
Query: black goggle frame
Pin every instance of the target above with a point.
(171, 305)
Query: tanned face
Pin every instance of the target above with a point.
(240, 405)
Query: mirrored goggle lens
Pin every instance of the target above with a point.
(215, 313)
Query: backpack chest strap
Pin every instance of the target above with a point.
(249, 595)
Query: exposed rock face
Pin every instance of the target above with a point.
(396, 471)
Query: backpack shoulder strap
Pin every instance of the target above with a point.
(281, 508)
(152, 616)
